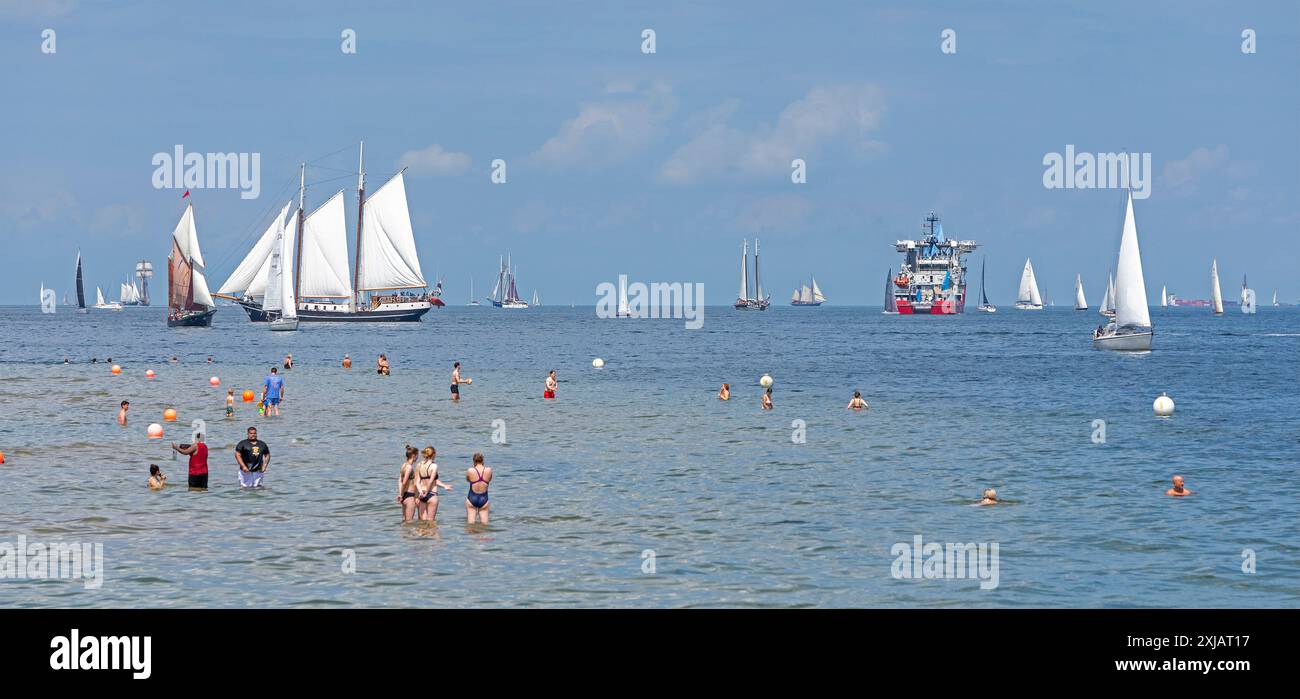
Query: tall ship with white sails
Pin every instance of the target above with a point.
(808, 295)
(129, 294)
(932, 280)
(385, 284)
(1028, 298)
(189, 303)
(745, 301)
(506, 293)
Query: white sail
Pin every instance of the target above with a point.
(622, 296)
(249, 278)
(744, 271)
(1029, 286)
(1108, 301)
(1164, 296)
(186, 235)
(817, 293)
(1275, 297)
(795, 296)
(323, 269)
(99, 297)
(388, 259)
(1248, 302)
(1130, 284)
(1080, 302)
(1216, 294)
(123, 293)
(805, 294)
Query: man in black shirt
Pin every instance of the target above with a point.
(253, 457)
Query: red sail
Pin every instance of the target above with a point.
(180, 296)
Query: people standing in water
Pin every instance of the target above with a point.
(990, 497)
(476, 501)
(273, 390)
(347, 362)
(198, 453)
(406, 493)
(121, 413)
(725, 392)
(427, 484)
(857, 403)
(552, 383)
(288, 361)
(767, 398)
(156, 478)
(381, 366)
(456, 381)
(230, 403)
(1178, 490)
(254, 458)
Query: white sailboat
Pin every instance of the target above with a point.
(472, 301)
(103, 305)
(1108, 301)
(1216, 295)
(506, 294)
(744, 301)
(249, 280)
(536, 302)
(1080, 302)
(1164, 297)
(623, 310)
(189, 303)
(1247, 298)
(1130, 329)
(1028, 299)
(280, 302)
(808, 295)
(1275, 303)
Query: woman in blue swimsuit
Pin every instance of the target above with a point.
(476, 502)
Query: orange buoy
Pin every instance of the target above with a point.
(169, 415)
(2, 457)
(214, 381)
(155, 431)
(248, 396)
(116, 370)
(148, 374)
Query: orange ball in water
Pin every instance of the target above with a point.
(169, 415)
(149, 374)
(116, 370)
(155, 431)
(248, 396)
(2, 457)
(214, 381)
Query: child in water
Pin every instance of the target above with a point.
(230, 403)
(156, 478)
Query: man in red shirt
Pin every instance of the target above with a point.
(198, 453)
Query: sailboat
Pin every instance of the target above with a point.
(42, 298)
(535, 301)
(808, 295)
(189, 303)
(81, 291)
(1216, 296)
(386, 267)
(472, 301)
(128, 294)
(280, 302)
(985, 306)
(1164, 297)
(1080, 301)
(745, 302)
(1028, 299)
(506, 294)
(1130, 329)
(623, 310)
(103, 305)
(1247, 297)
(891, 303)
(1108, 301)
(1275, 303)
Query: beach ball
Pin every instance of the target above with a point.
(116, 370)
(214, 381)
(248, 396)
(598, 362)
(2, 457)
(148, 374)
(169, 415)
(766, 381)
(1164, 406)
(155, 431)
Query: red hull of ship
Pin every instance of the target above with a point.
(949, 307)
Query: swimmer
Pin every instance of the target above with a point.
(990, 497)
(406, 495)
(347, 362)
(108, 361)
(230, 403)
(209, 359)
(94, 360)
(174, 359)
(1178, 490)
(381, 366)
(724, 393)
(767, 398)
(121, 414)
(857, 403)
(551, 384)
(156, 478)
(456, 381)
(288, 361)
(476, 501)
(427, 484)
(67, 361)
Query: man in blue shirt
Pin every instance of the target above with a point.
(272, 392)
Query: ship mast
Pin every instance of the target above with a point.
(297, 263)
(361, 203)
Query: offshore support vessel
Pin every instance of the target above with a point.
(932, 280)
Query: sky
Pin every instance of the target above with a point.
(657, 165)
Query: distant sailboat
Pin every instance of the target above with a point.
(103, 305)
(984, 297)
(472, 301)
(189, 303)
(1216, 296)
(1247, 297)
(280, 302)
(891, 303)
(536, 302)
(1275, 303)
(744, 301)
(1080, 302)
(81, 291)
(808, 295)
(623, 310)
(1108, 302)
(1164, 297)
(1028, 299)
(506, 294)
(1130, 329)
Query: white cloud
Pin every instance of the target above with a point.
(435, 160)
(1182, 175)
(842, 116)
(611, 130)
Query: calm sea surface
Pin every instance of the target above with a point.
(639, 456)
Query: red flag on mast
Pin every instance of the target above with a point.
(186, 194)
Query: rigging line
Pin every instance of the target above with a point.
(327, 155)
(246, 235)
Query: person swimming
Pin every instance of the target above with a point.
(552, 383)
(121, 413)
(347, 362)
(156, 478)
(767, 398)
(406, 495)
(427, 484)
(724, 393)
(990, 497)
(857, 403)
(1178, 491)
(476, 501)
(288, 361)
(381, 366)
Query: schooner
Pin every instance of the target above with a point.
(189, 303)
(744, 301)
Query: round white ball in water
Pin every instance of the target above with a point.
(598, 362)
(766, 381)
(1164, 406)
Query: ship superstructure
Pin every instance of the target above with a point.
(932, 279)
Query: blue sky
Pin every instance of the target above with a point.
(658, 165)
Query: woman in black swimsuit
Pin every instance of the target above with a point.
(427, 484)
(406, 484)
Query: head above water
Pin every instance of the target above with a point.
(411, 452)
(857, 394)
(430, 452)
(1178, 482)
(478, 458)
(126, 404)
(455, 365)
(154, 470)
(990, 494)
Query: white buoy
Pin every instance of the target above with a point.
(1164, 406)
(598, 362)
(766, 381)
